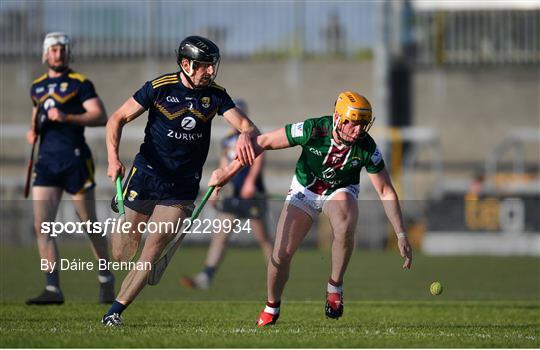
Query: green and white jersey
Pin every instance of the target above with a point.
(325, 166)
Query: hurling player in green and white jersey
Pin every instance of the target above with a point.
(334, 150)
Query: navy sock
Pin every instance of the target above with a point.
(52, 279)
(209, 271)
(116, 308)
(104, 273)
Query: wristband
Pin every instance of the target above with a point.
(401, 235)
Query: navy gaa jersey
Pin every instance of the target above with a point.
(177, 134)
(60, 141)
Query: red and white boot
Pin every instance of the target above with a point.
(334, 300)
(269, 315)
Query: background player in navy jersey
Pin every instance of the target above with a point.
(164, 179)
(64, 103)
(246, 202)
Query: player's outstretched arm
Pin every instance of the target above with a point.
(130, 110)
(383, 185)
(276, 139)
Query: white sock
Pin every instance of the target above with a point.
(333, 289)
(104, 279)
(271, 310)
(52, 289)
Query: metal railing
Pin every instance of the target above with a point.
(251, 29)
(154, 28)
(477, 36)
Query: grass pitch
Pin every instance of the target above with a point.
(487, 302)
(232, 324)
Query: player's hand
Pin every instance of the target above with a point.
(405, 251)
(218, 179)
(244, 149)
(248, 190)
(55, 115)
(31, 136)
(115, 169)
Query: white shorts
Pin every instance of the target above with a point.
(312, 203)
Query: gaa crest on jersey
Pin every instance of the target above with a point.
(63, 86)
(205, 102)
(376, 157)
(132, 195)
(297, 130)
(355, 162)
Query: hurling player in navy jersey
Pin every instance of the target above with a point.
(64, 103)
(164, 180)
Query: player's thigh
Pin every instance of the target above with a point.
(161, 228)
(45, 202)
(85, 205)
(342, 210)
(293, 225)
(125, 244)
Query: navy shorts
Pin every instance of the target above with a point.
(75, 176)
(143, 191)
(244, 208)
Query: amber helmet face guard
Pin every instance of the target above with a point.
(352, 107)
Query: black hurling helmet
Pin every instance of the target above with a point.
(198, 50)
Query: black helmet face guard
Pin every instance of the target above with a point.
(198, 51)
(194, 65)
